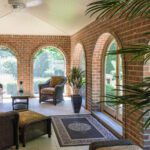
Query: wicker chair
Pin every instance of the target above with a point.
(9, 130)
(52, 89)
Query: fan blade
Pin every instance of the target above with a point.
(33, 3)
(24, 3)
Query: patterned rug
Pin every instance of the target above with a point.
(79, 130)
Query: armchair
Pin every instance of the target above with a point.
(9, 130)
(52, 89)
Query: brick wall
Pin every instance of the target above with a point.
(76, 55)
(25, 48)
(93, 38)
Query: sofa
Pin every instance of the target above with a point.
(9, 130)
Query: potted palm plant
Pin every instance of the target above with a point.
(76, 80)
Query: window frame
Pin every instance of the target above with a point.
(113, 113)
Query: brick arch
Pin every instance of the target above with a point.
(98, 60)
(78, 51)
(55, 46)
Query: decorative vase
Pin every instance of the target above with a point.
(21, 87)
(76, 103)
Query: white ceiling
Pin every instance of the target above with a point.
(52, 17)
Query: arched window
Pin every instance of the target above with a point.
(49, 61)
(8, 71)
(112, 78)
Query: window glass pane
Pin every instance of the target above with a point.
(120, 82)
(47, 62)
(110, 72)
(82, 61)
(83, 67)
(113, 77)
(8, 71)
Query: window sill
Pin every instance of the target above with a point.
(110, 123)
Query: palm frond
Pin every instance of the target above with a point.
(139, 52)
(147, 123)
(76, 77)
(143, 114)
(137, 96)
(146, 33)
(124, 8)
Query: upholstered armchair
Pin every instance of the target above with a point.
(9, 130)
(52, 89)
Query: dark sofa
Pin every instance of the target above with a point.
(9, 126)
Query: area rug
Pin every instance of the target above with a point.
(74, 130)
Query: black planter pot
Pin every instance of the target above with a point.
(76, 103)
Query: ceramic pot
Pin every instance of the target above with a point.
(76, 103)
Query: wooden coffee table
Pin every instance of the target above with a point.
(20, 101)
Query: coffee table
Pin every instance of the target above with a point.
(20, 101)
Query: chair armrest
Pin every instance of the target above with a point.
(58, 86)
(44, 85)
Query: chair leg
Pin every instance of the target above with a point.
(49, 127)
(54, 101)
(17, 146)
(23, 138)
(40, 98)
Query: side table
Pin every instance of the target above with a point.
(20, 101)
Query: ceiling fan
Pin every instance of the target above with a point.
(16, 5)
(24, 3)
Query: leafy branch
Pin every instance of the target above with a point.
(137, 96)
(122, 8)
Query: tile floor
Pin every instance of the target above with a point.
(45, 143)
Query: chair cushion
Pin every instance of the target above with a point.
(27, 117)
(55, 80)
(48, 90)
